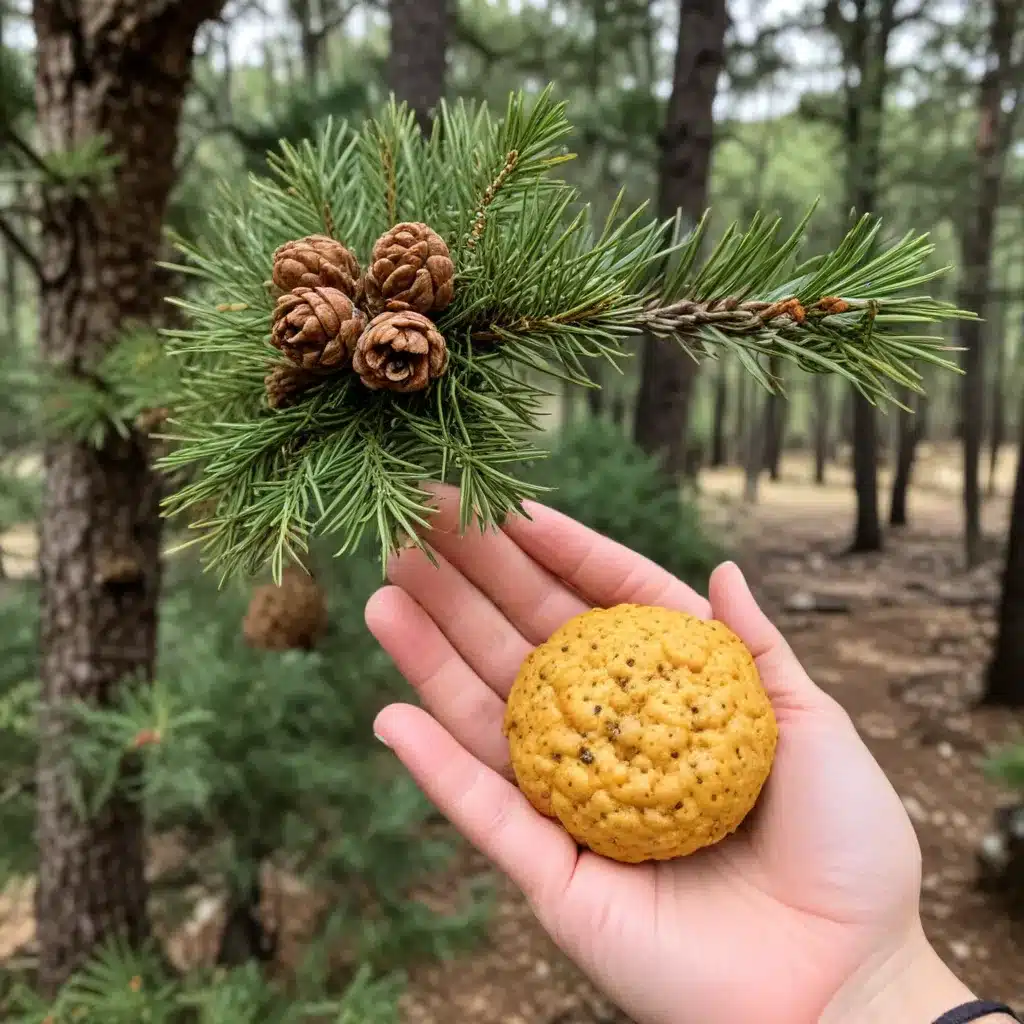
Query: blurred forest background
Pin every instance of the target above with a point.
(194, 827)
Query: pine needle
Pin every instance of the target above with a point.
(540, 294)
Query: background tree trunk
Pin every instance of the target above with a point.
(667, 372)
(995, 131)
(419, 54)
(822, 417)
(909, 429)
(864, 40)
(1004, 681)
(719, 442)
(775, 409)
(119, 72)
(997, 417)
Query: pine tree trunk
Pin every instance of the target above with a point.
(719, 447)
(1004, 681)
(419, 53)
(909, 435)
(865, 43)
(117, 71)
(867, 535)
(822, 411)
(997, 431)
(774, 426)
(739, 426)
(994, 134)
(753, 460)
(667, 372)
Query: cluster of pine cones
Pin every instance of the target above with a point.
(331, 317)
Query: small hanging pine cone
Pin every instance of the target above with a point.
(317, 261)
(400, 352)
(285, 383)
(291, 616)
(411, 269)
(317, 328)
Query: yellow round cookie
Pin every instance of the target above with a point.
(646, 732)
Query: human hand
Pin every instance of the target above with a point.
(808, 912)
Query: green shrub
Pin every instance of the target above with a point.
(124, 986)
(601, 478)
(248, 756)
(1007, 766)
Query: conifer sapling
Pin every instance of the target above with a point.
(317, 397)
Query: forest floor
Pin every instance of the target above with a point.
(901, 640)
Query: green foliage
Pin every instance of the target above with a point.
(539, 290)
(124, 986)
(250, 756)
(1008, 767)
(18, 695)
(253, 754)
(599, 476)
(134, 374)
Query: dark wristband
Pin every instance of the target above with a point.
(974, 1010)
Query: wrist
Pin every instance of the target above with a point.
(908, 983)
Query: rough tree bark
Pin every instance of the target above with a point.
(117, 70)
(994, 134)
(419, 53)
(864, 40)
(1004, 681)
(667, 372)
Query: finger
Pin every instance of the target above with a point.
(491, 646)
(451, 691)
(534, 600)
(785, 679)
(487, 809)
(601, 570)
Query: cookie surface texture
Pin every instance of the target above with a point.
(646, 732)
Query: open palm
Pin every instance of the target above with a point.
(819, 883)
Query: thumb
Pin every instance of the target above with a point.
(788, 684)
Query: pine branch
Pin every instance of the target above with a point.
(540, 293)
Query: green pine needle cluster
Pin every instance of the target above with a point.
(121, 985)
(541, 293)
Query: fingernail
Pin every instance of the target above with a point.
(378, 736)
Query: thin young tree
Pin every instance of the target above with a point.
(110, 75)
(864, 31)
(667, 373)
(999, 96)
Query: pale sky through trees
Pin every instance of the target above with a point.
(815, 57)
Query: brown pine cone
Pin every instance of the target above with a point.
(317, 261)
(285, 383)
(291, 616)
(317, 328)
(411, 268)
(400, 352)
